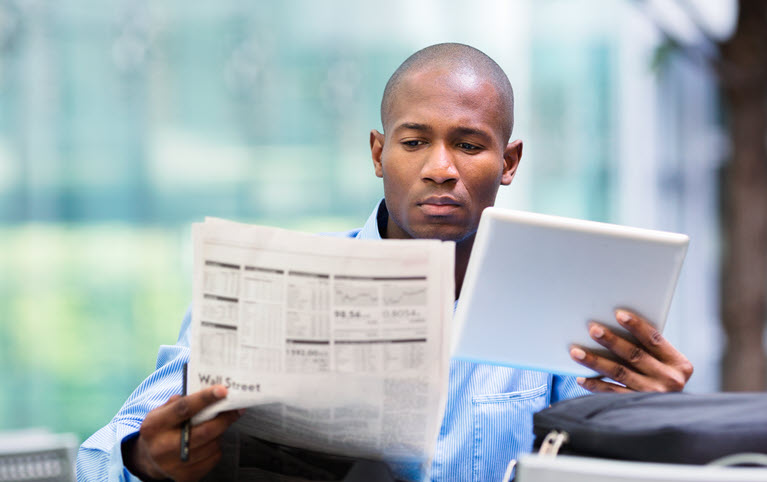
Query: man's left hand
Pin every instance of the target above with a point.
(653, 365)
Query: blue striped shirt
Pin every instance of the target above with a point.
(488, 418)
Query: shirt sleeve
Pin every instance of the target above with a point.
(565, 387)
(100, 457)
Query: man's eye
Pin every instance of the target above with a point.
(413, 143)
(468, 147)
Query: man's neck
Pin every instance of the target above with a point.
(462, 254)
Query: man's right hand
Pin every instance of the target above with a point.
(155, 453)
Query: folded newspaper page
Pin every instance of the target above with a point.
(335, 345)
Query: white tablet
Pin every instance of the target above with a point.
(534, 282)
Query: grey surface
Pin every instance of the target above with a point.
(534, 468)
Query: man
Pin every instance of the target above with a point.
(447, 115)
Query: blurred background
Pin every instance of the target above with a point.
(123, 122)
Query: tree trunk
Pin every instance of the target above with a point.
(743, 77)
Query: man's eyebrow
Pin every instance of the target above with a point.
(471, 131)
(413, 126)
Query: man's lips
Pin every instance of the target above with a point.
(439, 205)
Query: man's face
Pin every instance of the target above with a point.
(443, 157)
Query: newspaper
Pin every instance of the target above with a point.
(334, 345)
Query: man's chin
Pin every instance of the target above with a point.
(444, 233)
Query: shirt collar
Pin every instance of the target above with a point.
(376, 223)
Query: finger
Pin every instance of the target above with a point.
(650, 338)
(201, 453)
(597, 385)
(212, 429)
(610, 369)
(633, 355)
(198, 468)
(198, 465)
(178, 411)
(164, 445)
(167, 457)
(162, 450)
(201, 435)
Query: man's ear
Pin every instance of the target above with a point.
(376, 149)
(511, 157)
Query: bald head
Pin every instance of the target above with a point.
(453, 58)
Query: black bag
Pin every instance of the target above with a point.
(678, 428)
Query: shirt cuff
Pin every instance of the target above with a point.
(117, 470)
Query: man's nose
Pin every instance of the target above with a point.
(439, 165)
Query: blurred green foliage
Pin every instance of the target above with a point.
(64, 287)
